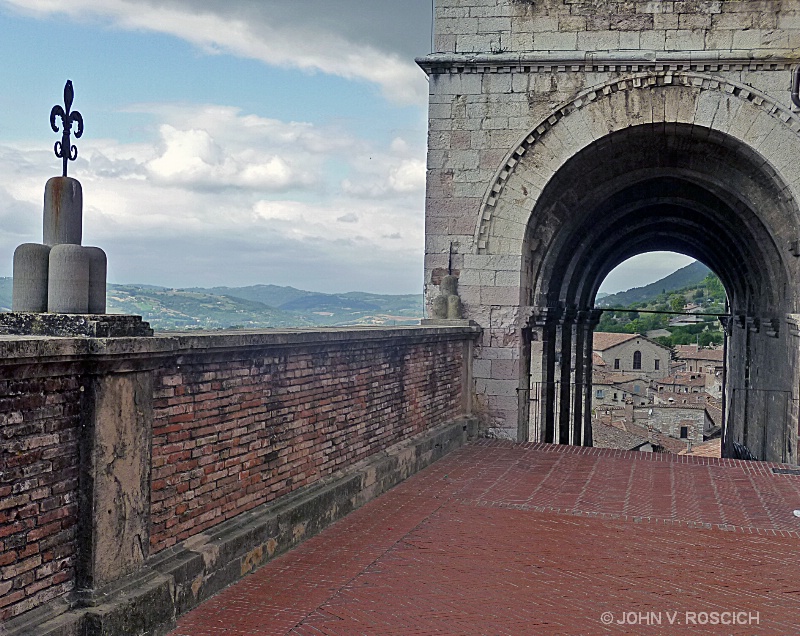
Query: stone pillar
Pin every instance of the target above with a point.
(60, 276)
(566, 328)
(68, 280)
(63, 211)
(591, 322)
(578, 398)
(524, 391)
(31, 264)
(97, 279)
(547, 319)
(736, 381)
(114, 503)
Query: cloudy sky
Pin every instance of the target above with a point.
(230, 143)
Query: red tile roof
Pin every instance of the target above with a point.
(605, 436)
(603, 376)
(683, 378)
(603, 340)
(708, 449)
(693, 352)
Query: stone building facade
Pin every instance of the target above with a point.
(689, 422)
(566, 136)
(632, 353)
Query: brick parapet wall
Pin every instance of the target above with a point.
(239, 428)
(240, 419)
(39, 421)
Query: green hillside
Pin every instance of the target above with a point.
(707, 296)
(265, 306)
(255, 307)
(176, 309)
(270, 295)
(689, 276)
(260, 306)
(297, 300)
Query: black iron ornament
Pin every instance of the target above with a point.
(64, 150)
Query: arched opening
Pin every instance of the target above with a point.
(670, 398)
(671, 187)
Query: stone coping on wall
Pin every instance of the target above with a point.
(40, 349)
(73, 325)
(179, 578)
(602, 60)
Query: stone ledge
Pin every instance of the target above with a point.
(180, 578)
(447, 322)
(589, 60)
(21, 349)
(72, 325)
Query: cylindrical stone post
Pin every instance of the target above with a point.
(449, 286)
(63, 211)
(31, 264)
(68, 280)
(97, 280)
(439, 309)
(453, 308)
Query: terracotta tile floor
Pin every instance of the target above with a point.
(499, 538)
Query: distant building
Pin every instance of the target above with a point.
(689, 422)
(699, 359)
(686, 321)
(613, 389)
(710, 363)
(632, 354)
(681, 382)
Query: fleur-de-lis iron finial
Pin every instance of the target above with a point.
(63, 149)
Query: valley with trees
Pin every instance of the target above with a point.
(693, 290)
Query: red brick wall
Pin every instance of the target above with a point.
(235, 431)
(239, 420)
(39, 420)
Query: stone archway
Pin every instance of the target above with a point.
(668, 160)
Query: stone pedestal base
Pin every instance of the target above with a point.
(71, 325)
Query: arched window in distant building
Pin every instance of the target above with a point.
(637, 359)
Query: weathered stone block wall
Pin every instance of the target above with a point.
(669, 420)
(508, 82)
(616, 25)
(234, 431)
(39, 420)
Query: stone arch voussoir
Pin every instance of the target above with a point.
(684, 97)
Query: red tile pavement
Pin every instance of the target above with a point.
(499, 538)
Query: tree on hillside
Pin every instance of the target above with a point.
(714, 288)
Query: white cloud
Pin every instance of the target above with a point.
(193, 158)
(248, 30)
(222, 197)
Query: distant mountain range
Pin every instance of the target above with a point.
(688, 276)
(255, 307)
(263, 306)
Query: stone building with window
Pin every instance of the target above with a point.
(632, 354)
